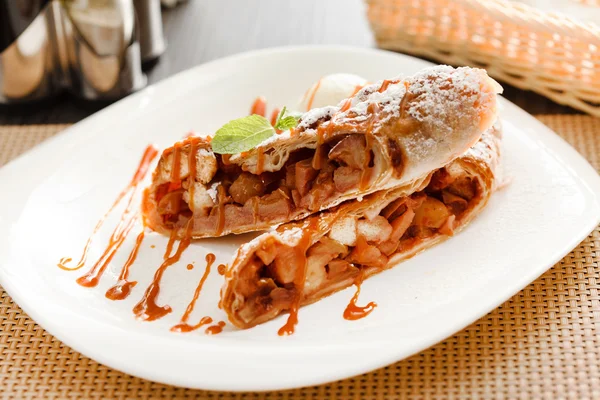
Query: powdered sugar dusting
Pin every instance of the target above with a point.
(387, 100)
(433, 92)
(481, 149)
(283, 136)
(314, 115)
(449, 105)
(453, 89)
(420, 146)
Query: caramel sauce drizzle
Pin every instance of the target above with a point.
(260, 160)
(123, 287)
(91, 278)
(170, 244)
(215, 329)
(221, 195)
(384, 85)
(311, 99)
(299, 279)
(149, 154)
(325, 132)
(192, 171)
(190, 267)
(354, 312)
(119, 234)
(183, 325)
(318, 157)
(147, 309)
(184, 328)
(346, 106)
(176, 168)
(221, 269)
(259, 107)
(357, 89)
(315, 201)
(365, 174)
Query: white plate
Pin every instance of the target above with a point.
(53, 196)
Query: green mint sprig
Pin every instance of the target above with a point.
(245, 133)
(286, 120)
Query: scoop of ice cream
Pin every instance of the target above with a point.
(330, 90)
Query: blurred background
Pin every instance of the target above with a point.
(62, 60)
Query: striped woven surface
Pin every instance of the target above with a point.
(543, 343)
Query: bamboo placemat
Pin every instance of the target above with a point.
(543, 343)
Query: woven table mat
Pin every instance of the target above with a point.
(543, 343)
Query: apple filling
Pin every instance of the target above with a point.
(223, 196)
(271, 281)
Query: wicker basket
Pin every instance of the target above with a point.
(552, 54)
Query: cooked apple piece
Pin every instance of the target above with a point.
(337, 267)
(322, 189)
(344, 231)
(206, 163)
(282, 297)
(394, 209)
(290, 176)
(419, 232)
(350, 151)
(441, 179)
(305, 174)
(319, 255)
(246, 186)
(463, 187)
(431, 214)
(266, 253)
(202, 201)
(399, 227)
(456, 203)
(171, 203)
(273, 206)
(283, 269)
(375, 230)
(365, 254)
(346, 178)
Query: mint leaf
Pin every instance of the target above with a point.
(280, 115)
(241, 134)
(286, 120)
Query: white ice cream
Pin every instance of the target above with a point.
(330, 90)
